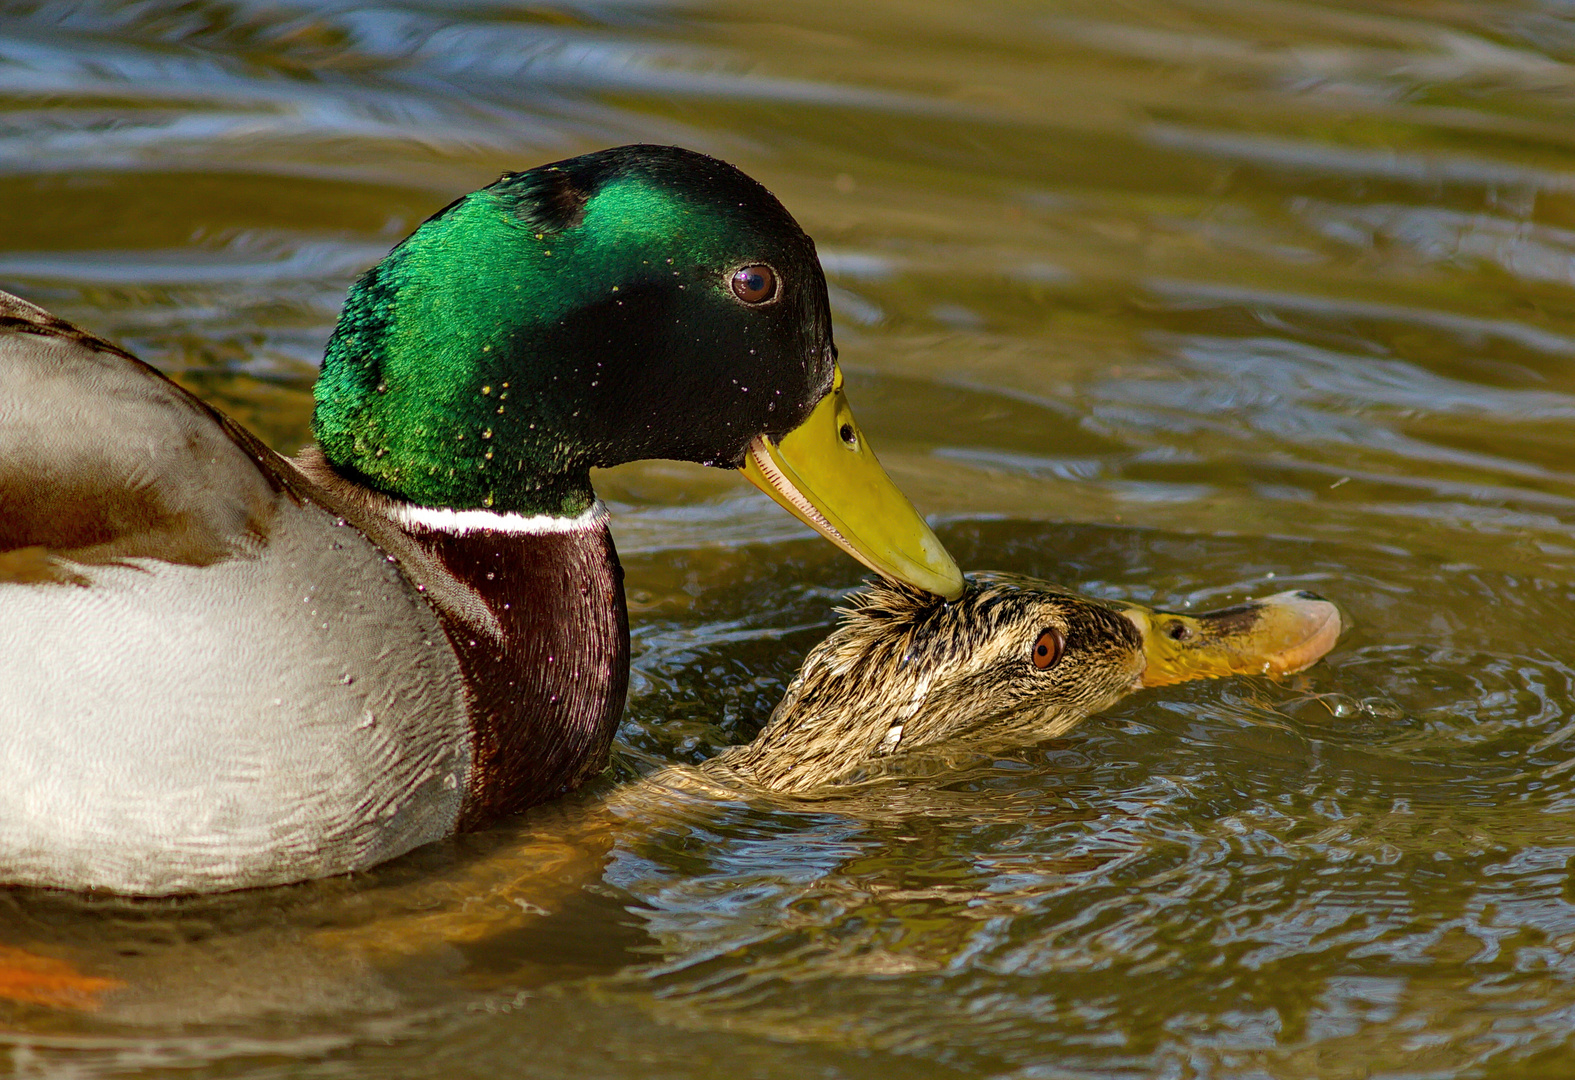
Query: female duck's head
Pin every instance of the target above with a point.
(1011, 661)
(641, 302)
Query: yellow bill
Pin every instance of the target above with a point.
(824, 474)
(1273, 636)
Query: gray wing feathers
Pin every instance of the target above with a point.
(103, 457)
(207, 681)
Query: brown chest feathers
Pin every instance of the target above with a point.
(538, 623)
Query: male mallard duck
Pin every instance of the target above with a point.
(220, 668)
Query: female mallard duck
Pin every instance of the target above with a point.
(220, 668)
(1013, 661)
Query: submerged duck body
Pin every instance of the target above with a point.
(220, 668)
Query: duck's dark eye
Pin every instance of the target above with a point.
(1048, 649)
(754, 284)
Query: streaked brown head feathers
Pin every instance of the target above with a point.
(906, 669)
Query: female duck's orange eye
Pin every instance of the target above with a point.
(1048, 649)
(754, 284)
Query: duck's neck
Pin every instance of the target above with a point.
(534, 609)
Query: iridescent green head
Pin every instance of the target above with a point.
(640, 302)
(584, 313)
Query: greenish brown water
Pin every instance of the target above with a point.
(1172, 301)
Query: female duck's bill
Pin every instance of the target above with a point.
(1277, 635)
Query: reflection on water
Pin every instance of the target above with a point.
(1175, 300)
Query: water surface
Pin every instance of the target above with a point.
(1164, 300)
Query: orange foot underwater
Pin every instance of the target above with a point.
(43, 980)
